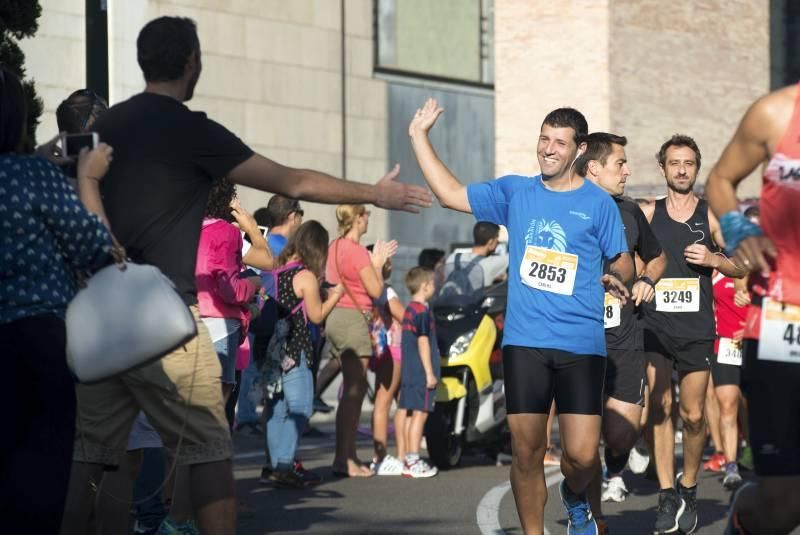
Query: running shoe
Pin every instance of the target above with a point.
(614, 490)
(169, 526)
(638, 461)
(389, 466)
(670, 508)
(716, 463)
(732, 478)
(688, 519)
(581, 521)
(419, 469)
(140, 528)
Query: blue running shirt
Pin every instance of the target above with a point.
(557, 244)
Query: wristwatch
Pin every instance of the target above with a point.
(648, 280)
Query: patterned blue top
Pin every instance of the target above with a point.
(46, 234)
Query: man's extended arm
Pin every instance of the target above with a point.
(305, 184)
(446, 187)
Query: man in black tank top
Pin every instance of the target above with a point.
(604, 163)
(679, 328)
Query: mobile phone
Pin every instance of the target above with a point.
(72, 144)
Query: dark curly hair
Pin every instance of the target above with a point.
(223, 191)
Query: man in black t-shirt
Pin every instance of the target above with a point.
(605, 164)
(155, 195)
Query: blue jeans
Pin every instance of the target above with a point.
(152, 511)
(226, 351)
(289, 413)
(246, 409)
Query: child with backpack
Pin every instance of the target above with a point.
(286, 367)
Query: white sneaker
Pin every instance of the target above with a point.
(389, 466)
(419, 469)
(614, 490)
(638, 461)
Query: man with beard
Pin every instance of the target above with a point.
(561, 229)
(679, 328)
(604, 163)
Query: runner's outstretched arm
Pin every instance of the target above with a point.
(448, 190)
(305, 184)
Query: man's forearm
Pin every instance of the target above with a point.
(314, 186)
(728, 267)
(655, 268)
(721, 194)
(445, 186)
(623, 266)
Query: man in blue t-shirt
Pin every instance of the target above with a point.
(561, 228)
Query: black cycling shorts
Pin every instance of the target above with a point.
(686, 354)
(773, 393)
(534, 377)
(625, 375)
(725, 374)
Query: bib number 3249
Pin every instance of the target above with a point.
(780, 332)
(548, 270)
(678, 295)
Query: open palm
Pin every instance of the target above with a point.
(425, 117)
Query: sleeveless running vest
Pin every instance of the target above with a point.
(729, 317)
(780, 221)
(674, 237)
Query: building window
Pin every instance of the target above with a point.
(784, 42)
(445, 39)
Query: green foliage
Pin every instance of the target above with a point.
(19, 19)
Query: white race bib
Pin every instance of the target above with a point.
(548, 270)
(780, 332)
(612, 311)
(678, 295)
(729, 352)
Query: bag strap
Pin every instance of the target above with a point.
(283, 269)
(341, 279)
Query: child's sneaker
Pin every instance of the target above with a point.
(389, 466)
(418, 469)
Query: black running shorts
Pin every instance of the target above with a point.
(625, 375)
(725, 374)
(686, 354)
(773, 392)
(534, 377)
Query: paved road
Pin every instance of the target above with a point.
(472, 499)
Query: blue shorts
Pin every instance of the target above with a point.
(416, 397)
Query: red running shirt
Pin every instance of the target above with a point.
(780, 220)
(729, 317)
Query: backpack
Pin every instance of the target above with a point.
(270, 350)
(459, 282)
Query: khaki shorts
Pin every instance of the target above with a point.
(347, 331)
(181, 394)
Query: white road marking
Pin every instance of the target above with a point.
(487, 513)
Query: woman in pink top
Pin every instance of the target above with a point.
(350, 264)
(223, 297)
